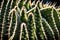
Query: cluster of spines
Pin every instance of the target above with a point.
(30, 21)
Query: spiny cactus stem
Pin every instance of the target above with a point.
(45, 8)
(1, 5)
(58, 14)
(14, 28)
(11, 5)
(21, 11)
(25, 2)
(43, 30)
(23, 8)
(11, 10)
(18, 9)
(32, 8)
(18, 2)
(30, 2)
(10, 13)
(4, 21)
(23, 24)
(21, 31)
(3, 26)
(7, 5)
(31, 26)
(15, 5)
(40, 4)
(10, 25)
(54, 22)
(33, 3)
(49, 27)
(14, 9)
(34, 24)
(41, 23)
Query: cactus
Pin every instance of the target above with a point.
(26, 20)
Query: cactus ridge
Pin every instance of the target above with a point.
(26, 20)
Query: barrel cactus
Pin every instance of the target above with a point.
(26, 20)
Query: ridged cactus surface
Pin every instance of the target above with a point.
(26, 20)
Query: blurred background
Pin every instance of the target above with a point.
(53, 1)
(57, 2)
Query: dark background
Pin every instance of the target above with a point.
(57, 2)
(53, 1)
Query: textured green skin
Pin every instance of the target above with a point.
(45, 14)
(30, 28)
(34, 21)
